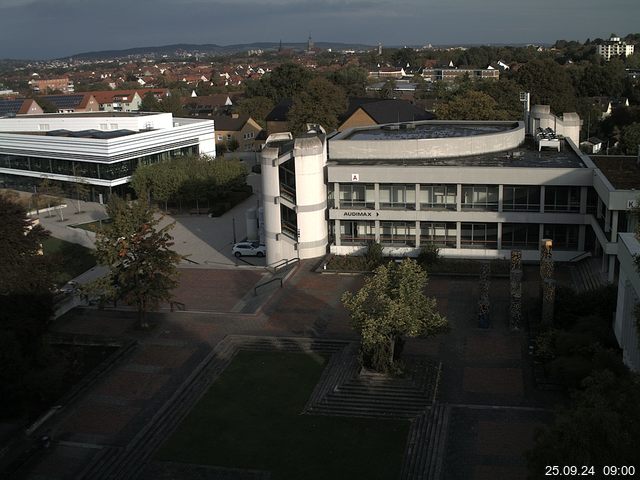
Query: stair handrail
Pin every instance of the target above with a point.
(580, 256)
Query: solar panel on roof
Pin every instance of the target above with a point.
(65, 101)
(10, 106)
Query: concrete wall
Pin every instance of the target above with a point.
(628, 297)
(343, 148)
(74, 123)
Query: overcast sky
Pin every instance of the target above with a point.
(54, 28)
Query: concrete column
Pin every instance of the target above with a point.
(459, 202)
(336, 230)
(599, 205)
(614, 225)
(500, 228)
(377, 223)
(336, 195)
(612, 268)
(583, 200)
(541, 232)
(417, 233)
(607, 220)
(582, 231)
(458, 230)
(376, 196)
(417, 198)
(500, 200)
(542, 190)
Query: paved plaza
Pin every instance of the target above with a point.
(493, 407)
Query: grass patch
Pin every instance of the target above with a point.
(71, 259)
(250, 418)
(93, 226)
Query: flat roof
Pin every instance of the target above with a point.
(409, 131)
(622, 171)
(525, 156)
(91, 114)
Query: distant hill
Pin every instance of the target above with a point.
(209, 49)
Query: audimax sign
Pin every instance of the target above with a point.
(360, 214)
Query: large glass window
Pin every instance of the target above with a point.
(439, 234)
(438, 197)
(398, 234)
(40, 165)
(398, 196)
(63, 167)
(479, 235)
(565, 237)
(86, 169)
(520, 235)
(289, 222)
(562, 199)
(113, 171)
(356, 232)
(356, 195)
(287, 172)
(521, 198)
(480, 197)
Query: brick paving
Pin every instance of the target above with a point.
(480, 367)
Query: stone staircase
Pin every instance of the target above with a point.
(345, 391)
(425, 447)
(586, 275)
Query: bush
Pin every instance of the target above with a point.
(429, 255)
(373, 255)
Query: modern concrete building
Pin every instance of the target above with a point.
(100, 149)
(614, 47)
(626, 323)
(474, 189)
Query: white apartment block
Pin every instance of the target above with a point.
(614, 47)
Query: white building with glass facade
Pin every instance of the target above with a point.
(100, 149)
(473, 189)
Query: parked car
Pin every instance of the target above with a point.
(244, 249)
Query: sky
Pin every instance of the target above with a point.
(43, 29)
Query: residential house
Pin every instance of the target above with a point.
(19, 106)
(73, 103)
(241, 128)
(363, 112)
(207, 105)
(63, 85)
(276, 119)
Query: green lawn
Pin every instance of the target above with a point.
(71, 259)
(93, 226)
(250, 418)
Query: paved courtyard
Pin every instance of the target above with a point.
(486, 380)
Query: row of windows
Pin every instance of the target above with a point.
(474, 197)
(104, 171)
(524, 236)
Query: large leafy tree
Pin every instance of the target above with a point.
(549, 84)
(630, 139)
(319, 102)
(142, 266)
(26, 304)
(472, 105)
(392, 304)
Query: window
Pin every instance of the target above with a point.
(356, 232)
(357, 195)
(438, 197)
(399, 234)
(565, 237)
(518, 198)
(287, 172)
(562, 199)
(520, 235)
(289, 222)
(439, 234)
(480, 197)
(479, 235)
(398, 196)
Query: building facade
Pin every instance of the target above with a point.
(473, 189)
(99, 149)
(614, 47)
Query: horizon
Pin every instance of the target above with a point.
(38, 30)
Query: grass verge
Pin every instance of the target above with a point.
(71, 259)
(250, 418)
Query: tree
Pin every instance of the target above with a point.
(388, 89)
(352, 79)
(149, 103)
(26, 305)
(256, 107)
(471, 105)
(80, 191)
(549, 84)
(630, 139)
(319, 102)
(52, 194)
(142, 266)
(390, 305)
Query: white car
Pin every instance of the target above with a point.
(243, 249)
